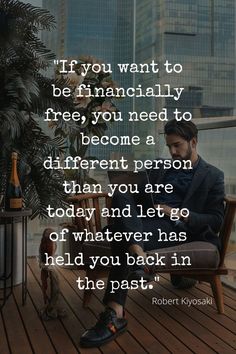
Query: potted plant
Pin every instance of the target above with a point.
(25, 93)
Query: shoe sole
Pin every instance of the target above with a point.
(98, 344)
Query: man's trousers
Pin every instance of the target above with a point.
(134, 224)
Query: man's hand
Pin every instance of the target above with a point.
(167, 210)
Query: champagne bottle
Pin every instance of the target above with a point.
(13, 201)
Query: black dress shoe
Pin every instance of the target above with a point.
(180, 282)
(108, 327)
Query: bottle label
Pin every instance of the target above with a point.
(16, 203)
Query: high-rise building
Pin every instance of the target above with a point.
(201, 36)
(103, 29)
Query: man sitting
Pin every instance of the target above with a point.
(200, 190)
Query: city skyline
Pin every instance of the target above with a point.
(199, 35)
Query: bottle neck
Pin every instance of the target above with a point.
(14, 176)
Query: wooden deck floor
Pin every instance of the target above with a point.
(152, 329)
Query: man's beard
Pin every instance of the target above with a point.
(187, 155)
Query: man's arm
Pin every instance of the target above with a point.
(213, 214)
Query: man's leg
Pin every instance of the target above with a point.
(115, 300)
(112, 322)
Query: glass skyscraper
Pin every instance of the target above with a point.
(199, 34)
(103, 29)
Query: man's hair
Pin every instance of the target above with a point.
(187, 130)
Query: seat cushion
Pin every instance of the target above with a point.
(203, 255)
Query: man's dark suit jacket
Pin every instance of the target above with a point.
(204, 199)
